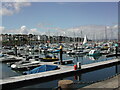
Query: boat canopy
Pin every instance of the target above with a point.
(56, 51)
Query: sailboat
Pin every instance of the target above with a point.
(85, 40)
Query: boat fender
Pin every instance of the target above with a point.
(75, 67)
(78, 65)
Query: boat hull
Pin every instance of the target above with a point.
(49, 59)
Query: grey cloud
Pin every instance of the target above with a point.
(9, 8)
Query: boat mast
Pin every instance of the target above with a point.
(105, 33)
(74, 37)
(81, 35)
(111, 34)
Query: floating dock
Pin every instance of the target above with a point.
(26, 80)
(112, 84)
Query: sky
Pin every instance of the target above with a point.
(58, 17)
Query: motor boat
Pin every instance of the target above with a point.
(25, 65)
(94, 52)
(49, 58)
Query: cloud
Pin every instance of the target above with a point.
(9, 8)
(23, 27)
(34, 31)
(115, 26)
(48, 26)
(45, 26)
(63, 0)
(15, 0)
(1, 29)
(92, 31)
(23, 30)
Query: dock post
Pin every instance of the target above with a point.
(116, 49)
(78, 65)
(65, 84)
(45, 52)
(15, 48)
(61, 52)
(76, 46)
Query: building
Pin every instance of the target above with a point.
(22, 39)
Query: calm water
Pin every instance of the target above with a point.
(85, 77)
(7, 72)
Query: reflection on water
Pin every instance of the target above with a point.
(94, 57)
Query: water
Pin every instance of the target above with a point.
(85, 77)
(7, 72)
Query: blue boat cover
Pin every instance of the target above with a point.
(1, 55)
(42, 68)
(48, 56)
(56, 51)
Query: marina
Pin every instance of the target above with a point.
(63, 70)
(43, 65)
(60, 45)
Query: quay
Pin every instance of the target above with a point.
(31, 79)
(112, 84)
